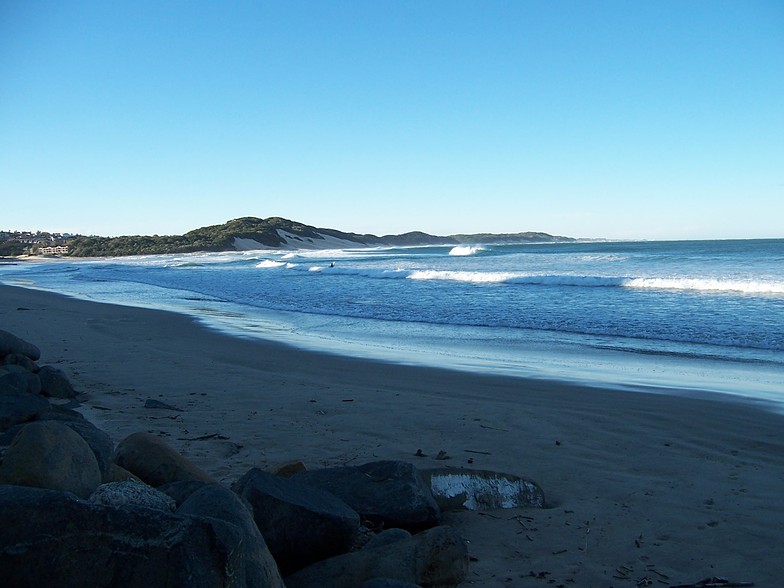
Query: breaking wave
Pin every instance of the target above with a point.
(465, 250)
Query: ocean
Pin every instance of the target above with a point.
(690, 317)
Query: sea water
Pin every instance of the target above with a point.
(696, 316)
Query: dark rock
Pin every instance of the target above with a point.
(287, 469)
(10, 343)
(132, 492)
(15, 378)
(181, 491)
(53, 539)
(50, 455)
(437, 557)
(98, 440)
(386, 493)
(118, 474)
(152, 403)
(20, 407)
(254, 561)
(387, 537)
(154, 462)
(55, 383)
(22, 361)
(300, 523)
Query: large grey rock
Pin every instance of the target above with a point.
(386, 537)
(300, 524)
(132, 492)
(55, 383)
(10, 343)
(98, 440)
(20, 407)
(181, 491)
(437, 557)
(51, 538)
(386, 493)
(21, 360)
(15, 378)
(154, 462)
(255, 565)
(50, 455)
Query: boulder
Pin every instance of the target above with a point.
(21, 360)
(51, 538)
(14, 378)
(98, 440)
(20, 407)
(55, 383)
(386, 493)
(181, 491)
(286, 469)
(154, 462)
(50, 455)
(300, 524)
(118, 474)
(437, 557)
(132, 492)
(10, 344)
(387, 537)
(255, 565)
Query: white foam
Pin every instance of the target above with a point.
(462, 276)
(465, 250)
(707, 285)
(270, 263)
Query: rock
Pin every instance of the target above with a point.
(387, 537)
(21, 360)
(154, 462)
(118, 474)
(480, 489)
(51, 538)
(14, 378)
(152, 403)
(287, 469)
(20, 407)
(437, 557)
(255, 565)
(55, 383)
(98, 440)
(386, 493)
(181, 491)
(10, 344)
(132, 492)
(300, 524)
(50, 455)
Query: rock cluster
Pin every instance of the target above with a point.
(69, 519)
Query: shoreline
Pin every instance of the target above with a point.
(649, 483)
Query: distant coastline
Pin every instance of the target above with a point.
(243, 234)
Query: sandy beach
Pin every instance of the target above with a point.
(640, 486)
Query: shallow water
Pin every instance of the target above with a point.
(697, 315)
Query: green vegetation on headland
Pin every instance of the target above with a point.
(274, 232)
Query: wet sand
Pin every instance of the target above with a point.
(664, 487)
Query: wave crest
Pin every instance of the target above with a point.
(465, 250)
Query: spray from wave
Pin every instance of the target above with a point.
(465, 250)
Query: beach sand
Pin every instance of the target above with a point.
(664, 487)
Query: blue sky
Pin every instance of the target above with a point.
(618, 119)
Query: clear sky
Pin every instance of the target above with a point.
(624, 119)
